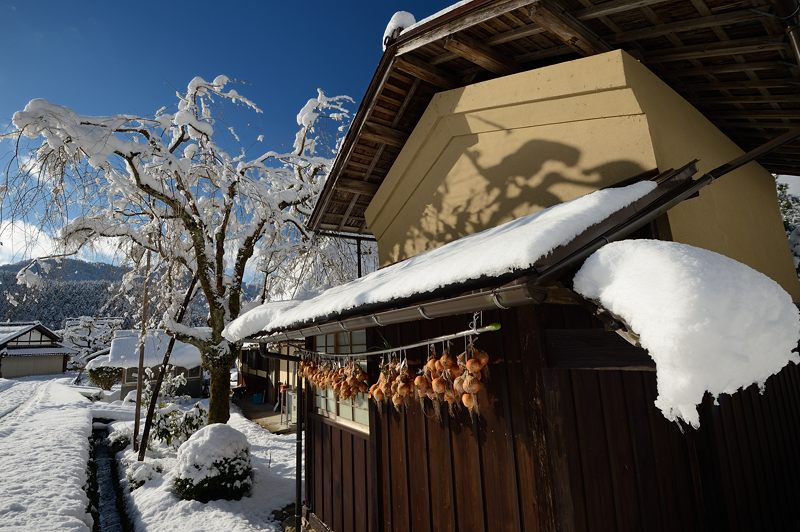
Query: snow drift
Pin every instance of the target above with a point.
(709, 322)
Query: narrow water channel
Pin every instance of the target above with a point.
(104, 491)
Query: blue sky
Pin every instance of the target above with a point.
(106, 57)
(109, 57)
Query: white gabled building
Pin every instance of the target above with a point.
(30, 348)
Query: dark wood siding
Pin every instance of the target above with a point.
(337, 470)
(631, 469)
(440, 472)
(558, 449)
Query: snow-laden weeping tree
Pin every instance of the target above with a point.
(163, 184)
(89, 334)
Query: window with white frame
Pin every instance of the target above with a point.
(348, 411)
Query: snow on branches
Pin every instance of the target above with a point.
(163, 184)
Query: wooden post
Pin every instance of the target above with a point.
(298, 486)
(151, 408)
(139, 378)
(358, 254)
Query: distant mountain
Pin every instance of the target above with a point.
(76, 288)
(73, 270)
(72, 288)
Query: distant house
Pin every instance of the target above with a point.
(30, 348)
(124, 353)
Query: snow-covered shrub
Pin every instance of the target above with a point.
(170, 384)
(120, 434)
(105, 377)
(137, 473)
(214, 463)
(172, 425)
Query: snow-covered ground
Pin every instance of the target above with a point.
(44, 450)
(14, 392)
(154, 507)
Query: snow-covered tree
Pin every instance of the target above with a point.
(167, 187)
(789, 205)
(89, 334)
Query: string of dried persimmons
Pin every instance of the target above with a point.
(443, 379)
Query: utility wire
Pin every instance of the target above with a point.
(469, 332)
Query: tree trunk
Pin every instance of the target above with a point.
(220, 387)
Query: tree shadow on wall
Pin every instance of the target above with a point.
(540, 174)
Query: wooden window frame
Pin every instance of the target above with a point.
(342, 342)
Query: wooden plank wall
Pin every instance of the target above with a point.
(441, 473)
(631, 469)
(337, 474)
(559, 449)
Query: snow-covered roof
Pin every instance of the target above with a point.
(99, 362)
(256, 319)
(399, 21)
(9, 330)
(710, 323)
(513, 246)
(125, 351)
(434, 16)
(37, 351)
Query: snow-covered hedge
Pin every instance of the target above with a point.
(710, 323)
(105, 377)
(214, 463)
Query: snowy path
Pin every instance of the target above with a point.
(13, 393)
(44, 449)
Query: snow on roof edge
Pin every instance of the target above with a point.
(124, 351)
(709, 322)
(515, 245)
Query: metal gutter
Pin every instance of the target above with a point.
(504, 297)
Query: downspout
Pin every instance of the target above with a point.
(298, 487)
(789, 13)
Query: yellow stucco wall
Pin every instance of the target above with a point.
(737, 215)
(490, 152)
(21, 366)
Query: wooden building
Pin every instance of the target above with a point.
(491, 111)
(262, 375)
(30, 348)
(124, 353)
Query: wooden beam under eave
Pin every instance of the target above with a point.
(568, 29)
(717, 49)
(481, 55)
(375, 132)
(755, 114)
(614, 7)
(452, 22)
(356, 186)
(691, 24)
(346, 215)
(593, 349)
(782, 98)
(429, 73)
